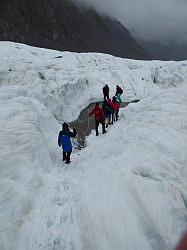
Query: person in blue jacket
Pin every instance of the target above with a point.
(65, 141)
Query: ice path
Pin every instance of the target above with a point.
(75, 210)
(50, 224)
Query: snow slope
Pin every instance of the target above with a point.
(127, 189)
(56, 78)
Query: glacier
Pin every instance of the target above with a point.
(127, 189)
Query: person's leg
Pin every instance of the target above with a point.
(64, 156)
(68, 157)
(103, 127)
(109, 119)
(106, 121)
(117, 115)
(96, 127)
(112, 117)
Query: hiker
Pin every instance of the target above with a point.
(118, 99)
(107, 109)
(99, 118)
(116, 108)
(111, 120)
(119, 90)
(65, 141)
(106, 91)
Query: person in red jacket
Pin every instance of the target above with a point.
(99, 118)
(116, 107)
(112, 111)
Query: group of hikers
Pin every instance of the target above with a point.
(105, 115)
(109, 112)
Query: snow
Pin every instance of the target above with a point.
(147, 177)
(127, 189)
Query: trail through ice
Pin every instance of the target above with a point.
(51, 223)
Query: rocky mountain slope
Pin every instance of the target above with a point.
(61, 25)
(165, 51)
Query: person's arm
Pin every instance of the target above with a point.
(73, 134)
(59, 137)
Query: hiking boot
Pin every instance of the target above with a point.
(67, 162)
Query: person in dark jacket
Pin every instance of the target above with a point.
(106, 91)
(119, 90)
(65, 141)
(107, 109)
(99, 118)
(116, 108)
(112, 111)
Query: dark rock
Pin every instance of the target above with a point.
(61, 25)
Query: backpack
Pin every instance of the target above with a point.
(120, 91)
(119, 99)
(107, 108)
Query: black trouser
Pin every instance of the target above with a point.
(66, 156)
(106, 96)
(97, 126)
(117, 114)
(107, 119)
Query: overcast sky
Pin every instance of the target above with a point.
(161, 20)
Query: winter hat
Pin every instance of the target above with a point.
(114, 99)
(65, 126)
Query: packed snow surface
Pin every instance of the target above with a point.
(127, 189)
